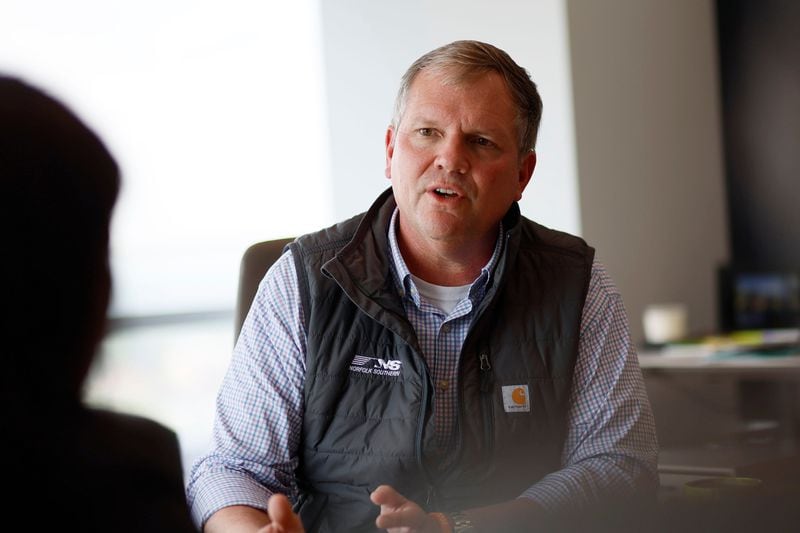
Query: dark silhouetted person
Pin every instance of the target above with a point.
(71, 466)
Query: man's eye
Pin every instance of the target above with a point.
(425, 132)
(483, 141)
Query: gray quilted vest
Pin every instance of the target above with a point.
(368, 393)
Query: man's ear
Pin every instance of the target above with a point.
(390, 137)
(526, 167)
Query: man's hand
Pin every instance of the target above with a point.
(284, 520)
(399, 515)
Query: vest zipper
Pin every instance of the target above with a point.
(431, 490)
(486, 401)
(486, 368)
(430, 498)
(485, 382)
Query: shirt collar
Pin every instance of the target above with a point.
(402, 276)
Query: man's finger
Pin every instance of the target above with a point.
(386, 496)
(397, 512)
(411, 518)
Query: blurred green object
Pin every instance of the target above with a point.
(720, 489)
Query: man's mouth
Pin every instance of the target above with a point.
(445, 193)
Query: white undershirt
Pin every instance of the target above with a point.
(439, 296)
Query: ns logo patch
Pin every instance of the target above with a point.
(376, 366)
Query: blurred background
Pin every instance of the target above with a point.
(666, 142)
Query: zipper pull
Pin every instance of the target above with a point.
(486, 374)
(429, 499)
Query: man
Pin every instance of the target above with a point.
(67, 465)
(439, 363)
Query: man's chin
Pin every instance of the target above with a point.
(445, 227)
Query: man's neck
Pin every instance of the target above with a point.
(447, 263)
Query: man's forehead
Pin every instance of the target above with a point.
(432, 94)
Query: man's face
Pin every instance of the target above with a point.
(454, 160)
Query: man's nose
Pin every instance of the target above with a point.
(452, 155)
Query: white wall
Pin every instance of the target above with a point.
(647, 115)
(369, 44)
(642, 132)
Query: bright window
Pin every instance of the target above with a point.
(215, 112)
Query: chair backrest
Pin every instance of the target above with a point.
(255, 262)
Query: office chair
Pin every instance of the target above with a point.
(255, 262)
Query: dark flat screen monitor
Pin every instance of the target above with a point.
(753, 299)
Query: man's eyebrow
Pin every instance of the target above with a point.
(425, 116)
(495, 132)
(486, 130)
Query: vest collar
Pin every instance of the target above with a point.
(363, 266)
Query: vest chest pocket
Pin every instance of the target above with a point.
(373, 404)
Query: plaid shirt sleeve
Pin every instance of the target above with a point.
(611, 443)
(259, 406)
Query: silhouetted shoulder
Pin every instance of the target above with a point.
(133, 466)
(104, 471)
(123, 441)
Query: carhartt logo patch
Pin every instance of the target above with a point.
(363, 364)
(516, 399)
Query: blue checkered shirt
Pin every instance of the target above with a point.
(610, 443)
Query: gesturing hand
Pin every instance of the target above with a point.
(284, 520)
(400, 515)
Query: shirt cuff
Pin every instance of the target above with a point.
(559, 490)
(216, 490)
(545, 497)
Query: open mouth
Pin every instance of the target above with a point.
(445, 193)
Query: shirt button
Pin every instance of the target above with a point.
(443, 384)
